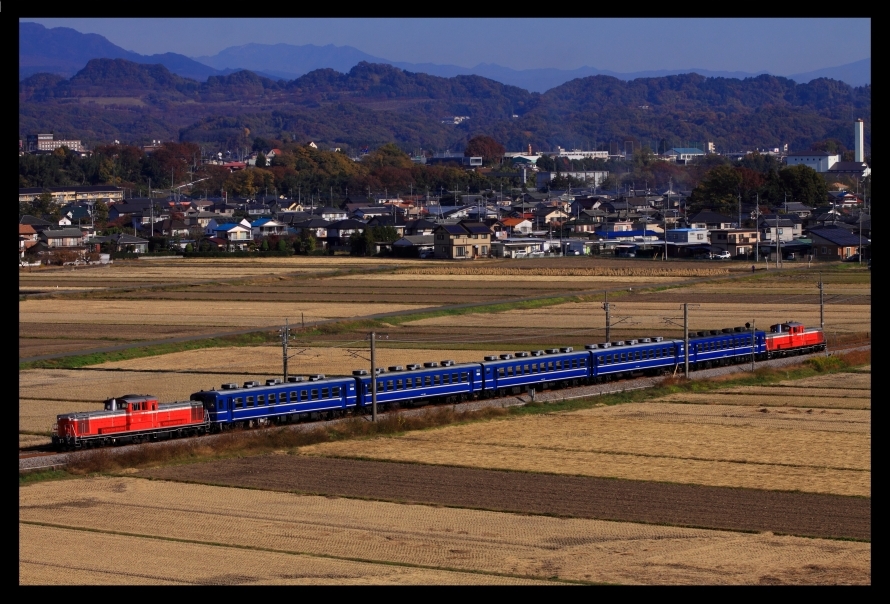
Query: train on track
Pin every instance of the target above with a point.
(138, 418)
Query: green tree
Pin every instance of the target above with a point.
(261, 160)
(100, 213)
(803, 184)
(718, 190)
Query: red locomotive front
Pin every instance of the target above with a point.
(130, 418)
(793, 338)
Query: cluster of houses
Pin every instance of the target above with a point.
(572, 222)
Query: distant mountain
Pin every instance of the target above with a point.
(374, 104)
(65, 51)
(854, 74)
(290, 61)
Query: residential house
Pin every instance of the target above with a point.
(512, 227)
(62, 238)
(339, 231)
(122, 242)
(412, 246)
(738, 242)
(168, 227)
(27, 238)
(832, 242)
(397, 223)
(236, 235)
(789, 227)
(38, 224)
(267, 226)
(683, 155)
(462, 241)
(317, 227)
(706, 219)
(328, 213)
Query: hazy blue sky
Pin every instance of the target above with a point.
(779, 46)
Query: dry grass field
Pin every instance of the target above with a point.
(153, 561)
(402, 537)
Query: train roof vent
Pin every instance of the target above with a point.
(739, 329)
(567, 349)
(447, 363)
(715, 332)
(413, 366)
(701, 334)
(293, 379)
(379, 370)
(251, 384)
(315, 378)
(537, 353)
(359, 372)
(552, 350)
(591, 346)
(491, 358)
(396, 368)
(229, 386)
(632, 342)
(727, 330)
(272, 382)
(506, 356)
(658, 339)
(431, 364)
(606, 345)
(618, 343)
(645, 340)
(522, 354)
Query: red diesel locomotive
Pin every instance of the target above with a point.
(132, 418)
(792, 338)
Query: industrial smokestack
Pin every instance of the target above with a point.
(859, 136)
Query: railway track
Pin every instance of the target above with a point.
(42, 459)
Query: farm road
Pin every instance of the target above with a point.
(310, 324)
(801, 514)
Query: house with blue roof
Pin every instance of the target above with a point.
(236, 234)
(832, 242)
(267, 226)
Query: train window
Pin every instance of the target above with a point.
(335, 391)
(639, 355)
(502, 372)
(380, 386)
(389, 384)
(239, 402)
(427, 380)
(325, 393)
(400, 385)
(293, 396)
(510, 371)
(455, 378)
(464, 377)
(549, 365)
(623, 356)
(261, 399)
(249, 401)
(446, 378)
(304, 395)
(314, 394)
(437, 380)
(559, 364)
(272, 398)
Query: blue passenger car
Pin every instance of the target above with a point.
(538, 367)
(254, 403)
(650, 355)
(416, 383)
(724, 347)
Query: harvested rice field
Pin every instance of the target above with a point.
(611, 442)
(153, 561)
(417, 537)
(769, 401)
(651, 317)
(266, 360)
(146, 314)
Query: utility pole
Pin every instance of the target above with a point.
(757, 234)
(821, 303)
(607, 308)
(686, 340)
(285, 336)
(753, 342)
(373, 381)
(686, 306)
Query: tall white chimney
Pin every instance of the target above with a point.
(859, 136)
